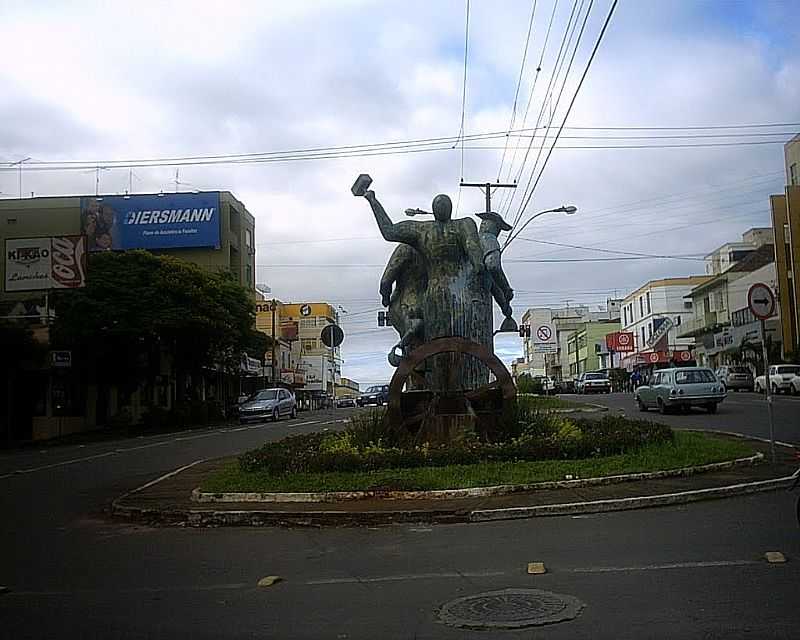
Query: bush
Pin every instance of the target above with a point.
(544, 437)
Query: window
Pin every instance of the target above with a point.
(648, 303)
(641, 306)
(649, 329)
(694, 376)
(308, 344)
(793, 173)
(248, 238)
(248, 272)
(642, 337)
(677, 321)
(308, 323)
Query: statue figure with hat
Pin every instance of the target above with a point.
(491, 225)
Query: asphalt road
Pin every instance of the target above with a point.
(695, 571)
(741, 412)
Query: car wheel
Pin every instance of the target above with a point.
(642, 406)
(276, 415)
(711, 407)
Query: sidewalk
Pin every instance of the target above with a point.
(168, 500)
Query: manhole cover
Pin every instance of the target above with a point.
(510, 609)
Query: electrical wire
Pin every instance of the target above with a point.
(516, 92)
(569, 108)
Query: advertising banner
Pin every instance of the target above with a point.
(620, 341)
(661, 327)
(167, 221)
(37, 264)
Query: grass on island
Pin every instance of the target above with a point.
(688, 449)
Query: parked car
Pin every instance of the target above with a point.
(795, 382)
(593, 382)
(681, 389)
(735, 378)
(547, 383)
(346, 402)
(268, 404)
(377, 395)
(780, 378)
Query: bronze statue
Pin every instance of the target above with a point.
(457, 300)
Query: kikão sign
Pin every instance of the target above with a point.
(38, 264)
(152, 221)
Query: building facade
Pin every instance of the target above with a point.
(647, 308)
(785, 210)
(213, 230)
(586, 347)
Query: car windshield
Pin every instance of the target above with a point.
(694, 376)
(738, 370)
(377, 389)
(790, 369)
(595, 376)
(267, 394)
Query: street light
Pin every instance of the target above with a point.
(569, 210)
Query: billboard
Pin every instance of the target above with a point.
(39, 264)
(619, 341)
(166, 221)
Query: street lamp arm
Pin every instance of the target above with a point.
(564, 209)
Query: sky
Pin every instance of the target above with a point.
(99, 81)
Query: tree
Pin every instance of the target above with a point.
(138, 305)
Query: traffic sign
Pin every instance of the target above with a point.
(544, 338)
(332, 335)
(761, 300)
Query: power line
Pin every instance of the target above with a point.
(516, 92)
(464, 88)
(556, 68)
(530, 100)
(631, 253)
(571, 104)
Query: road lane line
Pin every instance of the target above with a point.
(663, 567)
(406, 577)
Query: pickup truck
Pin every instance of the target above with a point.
(780, 379)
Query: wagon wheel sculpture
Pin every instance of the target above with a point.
(491, 399)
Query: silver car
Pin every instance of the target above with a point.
(268, 404)
(735, 377)
(681, 389)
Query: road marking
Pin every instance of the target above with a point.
(406, 577)
(174, 472)
(775, 557)
(662, 567)
(75, 592)
(160, 443)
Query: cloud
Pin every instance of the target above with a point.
(151, 79)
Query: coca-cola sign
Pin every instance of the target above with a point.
(68, 256)
(36, 264)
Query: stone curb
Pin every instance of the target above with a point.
(624, 504)
(474, 492)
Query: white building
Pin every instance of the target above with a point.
(728, 254)
(650, 305)
(565, 320)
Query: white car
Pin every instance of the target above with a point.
(781, 379)
(795, 382)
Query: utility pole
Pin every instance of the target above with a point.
(487, 189)
(273, 308)
(20, 163)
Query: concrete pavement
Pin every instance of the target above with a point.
(676, 572)
(741, 412)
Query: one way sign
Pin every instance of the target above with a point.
(761, 301)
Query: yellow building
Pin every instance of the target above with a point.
(302, 324)
(786, 226)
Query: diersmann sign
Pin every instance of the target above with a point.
(152, 222)
(37, 264)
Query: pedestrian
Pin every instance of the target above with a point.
(636, 380)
